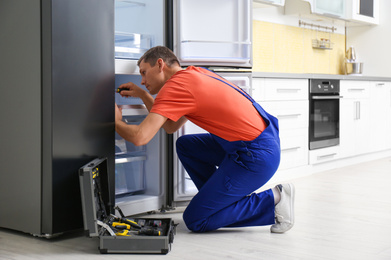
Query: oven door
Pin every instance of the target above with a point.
(323, 121)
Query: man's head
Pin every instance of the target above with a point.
(157, 65)
(159, 52)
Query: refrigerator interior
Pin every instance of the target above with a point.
(184, 188)
(139, 170)
(139, 25)
(204, 36)
(140, 175)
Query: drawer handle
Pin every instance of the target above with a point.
(288, 89)
(326, 156)
(291, 149)
(356, 89)
(291, 115)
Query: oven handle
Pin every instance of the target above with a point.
(326, 97)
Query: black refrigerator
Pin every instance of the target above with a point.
(56, 108)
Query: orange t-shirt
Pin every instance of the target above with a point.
(210, 104)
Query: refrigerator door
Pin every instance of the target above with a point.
(183, 187)
(62, 118)
(213, 32)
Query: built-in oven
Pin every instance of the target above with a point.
(324, 113)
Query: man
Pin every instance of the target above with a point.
(239, 155)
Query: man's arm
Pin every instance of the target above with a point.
(171, 126)
(139, 134)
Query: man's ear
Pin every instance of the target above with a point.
(161, 64)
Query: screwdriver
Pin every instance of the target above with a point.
(149, 232)
(118, 90)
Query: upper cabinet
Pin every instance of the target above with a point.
(363, 11)
(269, 2)
(353, 12)
(328, 8)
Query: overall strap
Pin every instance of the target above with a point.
(241, 91)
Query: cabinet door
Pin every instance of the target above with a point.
(380, 118)
(354, 127)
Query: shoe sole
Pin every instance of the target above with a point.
(292, 194)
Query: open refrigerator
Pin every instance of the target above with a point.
(151, 177)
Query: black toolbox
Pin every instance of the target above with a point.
(118, 234)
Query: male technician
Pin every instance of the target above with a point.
(239, 155)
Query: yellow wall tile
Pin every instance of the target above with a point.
(288, 49)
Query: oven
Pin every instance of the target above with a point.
(324, 113)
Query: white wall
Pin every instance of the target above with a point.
(372, 43)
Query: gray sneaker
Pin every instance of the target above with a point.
(284, 212)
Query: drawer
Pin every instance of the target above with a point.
(355, 89)
(294, 148)
(324, 154)
(270, 89)
(290, 114)
(129, 174)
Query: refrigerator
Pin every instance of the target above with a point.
(56, 108)
(74, 54)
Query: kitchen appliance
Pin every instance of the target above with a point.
(56, 108)
(324, 113)
(221, 41)
(352, 66)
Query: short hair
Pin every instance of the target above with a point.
(152, 55)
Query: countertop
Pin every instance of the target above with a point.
(317, 76)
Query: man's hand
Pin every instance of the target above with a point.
(132, 90)
(118, 113)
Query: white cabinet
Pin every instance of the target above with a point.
(354, 118)
(363, 11)
(334, 9)
(287, 99)
(380, 116)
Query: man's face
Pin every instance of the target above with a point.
(151, 77)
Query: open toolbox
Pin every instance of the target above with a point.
(118, 234)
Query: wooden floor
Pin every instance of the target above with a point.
(340, 214)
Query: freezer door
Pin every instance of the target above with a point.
(183, 187)
(213, 32)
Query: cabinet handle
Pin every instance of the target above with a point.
(291, 115)
(357, 112)
(380, 84)
(326, 156)
(290, 149)
(356, 89)
(288, 89)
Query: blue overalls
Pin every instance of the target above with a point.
(226, 173)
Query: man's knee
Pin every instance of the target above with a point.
(197, 226)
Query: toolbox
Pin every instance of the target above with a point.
(118, 234)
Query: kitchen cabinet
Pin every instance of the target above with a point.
(334, 9)
(354, 117)
(287, 99)
(380, 116)
(363, 11)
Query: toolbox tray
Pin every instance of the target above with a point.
(94, 187)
